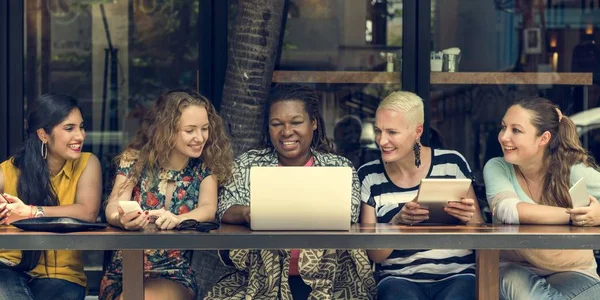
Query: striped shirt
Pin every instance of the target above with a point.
(379, 191)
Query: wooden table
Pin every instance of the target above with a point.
(487, 239)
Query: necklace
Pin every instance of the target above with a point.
(526, 183)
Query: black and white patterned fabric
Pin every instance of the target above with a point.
(379, 191)
(263, 274)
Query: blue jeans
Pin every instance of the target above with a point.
(15, 285)
(519, 282)
(460, 287)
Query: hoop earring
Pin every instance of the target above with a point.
(44, 151)
(417, 150)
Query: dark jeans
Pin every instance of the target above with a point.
(459, 287)
(16, 285)
(299, 289)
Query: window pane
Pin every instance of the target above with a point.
(520, 48)
(342, 35)
(351, 53)
(68, 51)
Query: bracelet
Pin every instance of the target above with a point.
(31, 213)
(39, 212)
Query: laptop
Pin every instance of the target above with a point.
(300, 198)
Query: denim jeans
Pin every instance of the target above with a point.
(15, 285)
(299, 289)
(460, 287)
(519, 282)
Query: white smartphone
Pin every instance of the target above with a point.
(579, 194)
(130, 206)
(434, 194)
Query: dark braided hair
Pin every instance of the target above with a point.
(308, 97)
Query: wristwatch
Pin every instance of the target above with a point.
(39, 212)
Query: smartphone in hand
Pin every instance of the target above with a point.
(130, 206)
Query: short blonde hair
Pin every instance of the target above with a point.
(406, 102)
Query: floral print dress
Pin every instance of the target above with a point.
(167, 264)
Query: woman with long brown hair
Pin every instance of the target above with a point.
(172, 168)
(49, 176)
(530, 185)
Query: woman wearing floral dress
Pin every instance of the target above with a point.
(173, 169)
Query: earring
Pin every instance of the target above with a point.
(417, 150)
(44, 150)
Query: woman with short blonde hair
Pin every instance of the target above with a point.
(389, 187)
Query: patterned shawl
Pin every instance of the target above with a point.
(263, 274)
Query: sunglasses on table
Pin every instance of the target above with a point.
(200, 226)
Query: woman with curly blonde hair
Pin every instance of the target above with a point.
(172, 168)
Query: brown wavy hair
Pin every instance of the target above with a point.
(155, 139)
(562, 152)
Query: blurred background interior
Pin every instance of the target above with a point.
(116, 56)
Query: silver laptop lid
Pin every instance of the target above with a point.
(300, 198)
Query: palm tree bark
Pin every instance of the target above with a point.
(253, 45)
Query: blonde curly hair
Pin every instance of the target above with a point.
(155, 139)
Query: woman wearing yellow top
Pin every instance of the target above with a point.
(49, 176)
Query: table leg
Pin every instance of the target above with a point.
(133, 274)
(487, 274)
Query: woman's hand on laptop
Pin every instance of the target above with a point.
(464, 210)
(411, 213)
(246, 214)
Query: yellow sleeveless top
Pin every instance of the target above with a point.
(62, 264)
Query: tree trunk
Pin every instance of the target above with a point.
(253, 45)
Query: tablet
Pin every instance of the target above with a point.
(579, 194)
(130, 206)
(434, 194)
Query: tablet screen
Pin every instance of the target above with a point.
(443, 190)
(579, 194)
(434, 194)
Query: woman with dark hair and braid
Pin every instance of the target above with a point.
(293, 135)
(530, 185)
(49, 176)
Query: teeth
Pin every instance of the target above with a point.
(74, 147)
(288, 143)
(507, 148)
(388, 149)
